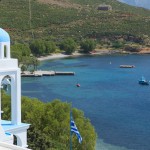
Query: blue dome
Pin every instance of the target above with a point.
(4, 36)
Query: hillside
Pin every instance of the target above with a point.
(57, 19)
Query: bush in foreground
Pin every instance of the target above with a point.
(50, 124)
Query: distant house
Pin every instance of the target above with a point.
(104, 7)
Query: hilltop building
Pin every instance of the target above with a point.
(104, 7)
(10, 74)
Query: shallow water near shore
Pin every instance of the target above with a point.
(110, 96)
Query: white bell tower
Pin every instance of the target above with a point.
(9, 68)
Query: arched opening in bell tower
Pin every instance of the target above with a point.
(5, 51)
(14, 140)
(5, 98)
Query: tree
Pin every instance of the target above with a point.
(88, 45)
(146, 40)
(23, 68)
(68, 45)
(38, 47)
(50, 47)
(16, 54)
(35, 62)
(117, 44)
(30, 63)
(26, 61)
(21, 48)
(50, 124)
(21, 52)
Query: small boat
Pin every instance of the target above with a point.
(127, 66)
(78, 85)
(143, 81)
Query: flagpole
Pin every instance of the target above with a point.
(70, 128)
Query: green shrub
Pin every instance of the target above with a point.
(50, 124)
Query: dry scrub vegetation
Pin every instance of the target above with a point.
(61, 3)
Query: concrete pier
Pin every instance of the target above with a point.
(41, 73)
(64, 73)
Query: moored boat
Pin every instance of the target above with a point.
(143, 81)
(127, 66)
(78, 85)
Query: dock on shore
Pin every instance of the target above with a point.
(41, 73)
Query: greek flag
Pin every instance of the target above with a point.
(75, 130)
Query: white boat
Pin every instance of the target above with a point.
(127, 66)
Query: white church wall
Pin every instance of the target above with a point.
(8, 64)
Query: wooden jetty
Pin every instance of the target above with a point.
(41, 73)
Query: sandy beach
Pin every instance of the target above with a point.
(52, 56)
(61, 55)
(95, 52)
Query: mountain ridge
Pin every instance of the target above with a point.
(138, 3)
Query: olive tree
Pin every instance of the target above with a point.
(68, 45)
(88, 45)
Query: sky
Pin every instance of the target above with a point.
(139, 3)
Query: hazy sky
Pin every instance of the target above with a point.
(139, 3)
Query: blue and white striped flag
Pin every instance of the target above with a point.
(75, 130)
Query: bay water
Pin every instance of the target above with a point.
(110, 96)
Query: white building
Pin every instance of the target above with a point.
(9, 68)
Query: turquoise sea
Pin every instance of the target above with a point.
(118, 107)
